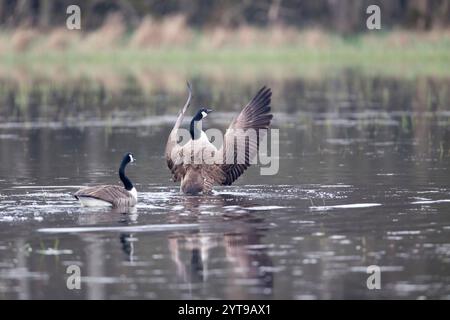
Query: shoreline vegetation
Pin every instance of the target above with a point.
(171, 44)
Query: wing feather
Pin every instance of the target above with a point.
(173, 150)
(255, 115)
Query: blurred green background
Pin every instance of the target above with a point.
(189, 34)
(160, 44)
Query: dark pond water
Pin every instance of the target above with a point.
(363, 180)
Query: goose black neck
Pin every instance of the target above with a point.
(196, 129)
(126, 182)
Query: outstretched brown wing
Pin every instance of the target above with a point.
(173, 150)
(255, 115)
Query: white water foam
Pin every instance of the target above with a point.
(264, 208)
(143, 228)
(345, 206)
(430, 201)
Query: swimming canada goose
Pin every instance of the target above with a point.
(111, 195)
(197, 177)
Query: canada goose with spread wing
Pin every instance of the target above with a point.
(229, 164)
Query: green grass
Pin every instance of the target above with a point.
(373, 55)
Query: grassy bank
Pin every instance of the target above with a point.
(295, 59)
(170, 44)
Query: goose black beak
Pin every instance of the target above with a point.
(209, 110)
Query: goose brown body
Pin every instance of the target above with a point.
(116, 196)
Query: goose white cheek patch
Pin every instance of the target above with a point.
(204, 114)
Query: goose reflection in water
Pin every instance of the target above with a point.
(128, 216)
(124, 215)
(244, 250)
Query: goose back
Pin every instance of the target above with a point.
(117, 196)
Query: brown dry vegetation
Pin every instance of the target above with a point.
(173, 32)
(108, 36)
(61, 39)
(22, 39)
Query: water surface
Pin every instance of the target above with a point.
(363, 180)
